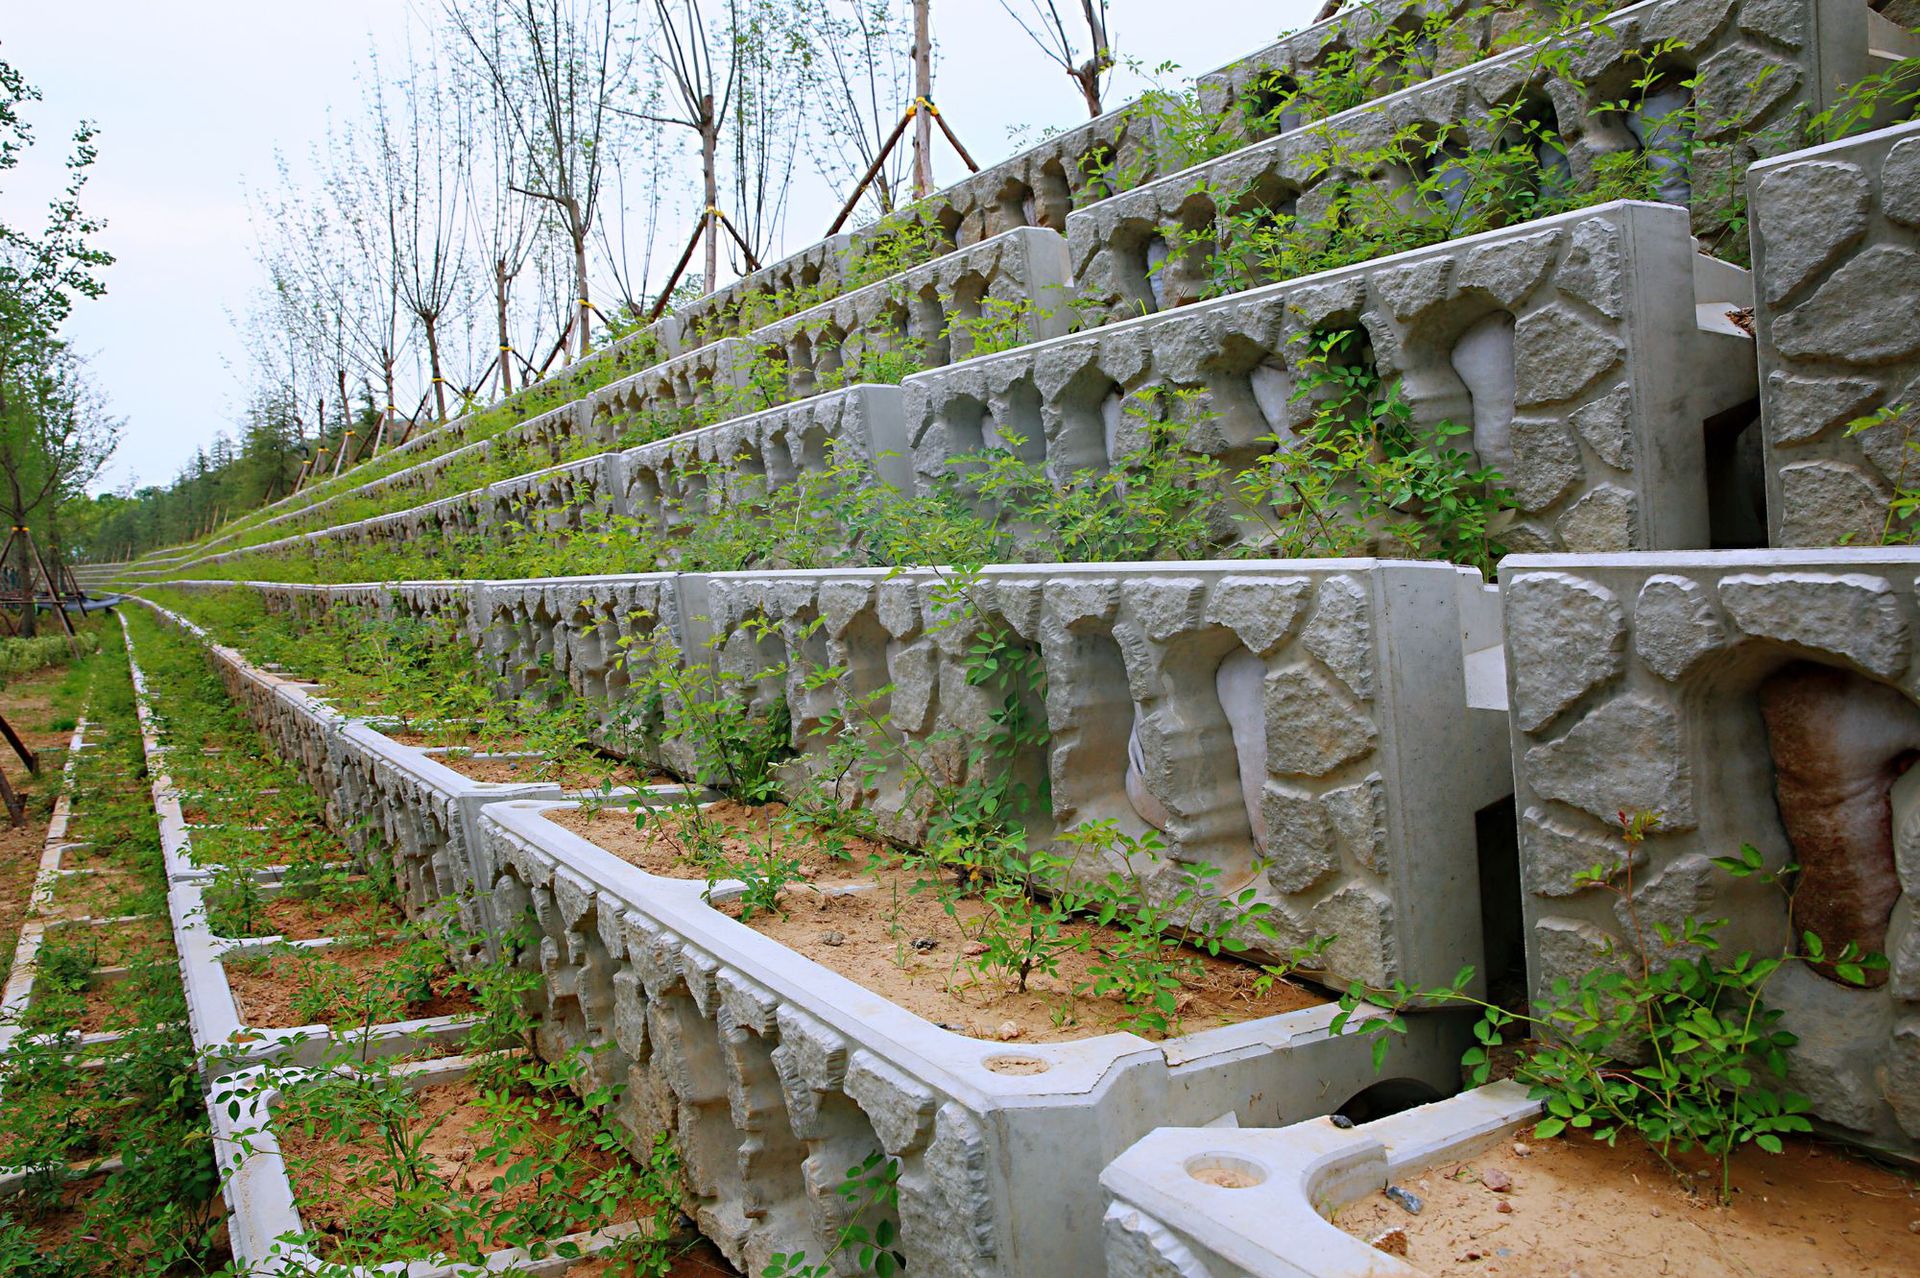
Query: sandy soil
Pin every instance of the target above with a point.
(330, 1178)
(264, 991)
(114, 946)
(1578, 1207)
(664, 847)
(903, 945)
(572, 777)
(308, 918)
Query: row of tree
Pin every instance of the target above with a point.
(530, 176)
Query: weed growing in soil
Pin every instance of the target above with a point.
(1666, 1041)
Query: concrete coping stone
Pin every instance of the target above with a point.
(1274, 1222)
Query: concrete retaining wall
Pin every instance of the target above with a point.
(1762, 698)
(1836, 245)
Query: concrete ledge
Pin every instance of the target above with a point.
(1163, 1220)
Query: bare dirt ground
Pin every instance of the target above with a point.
(895, 936)
(1576, 1206)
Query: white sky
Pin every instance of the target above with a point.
(193, 97)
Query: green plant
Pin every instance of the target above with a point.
(1664, 1040)
(870, 1237)
(1902, 524)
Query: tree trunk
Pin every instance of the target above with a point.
(346, 408)
(923, 92)
(500, 279)
(585, 343)
(432, 323)
(386, 414)
(710, 174)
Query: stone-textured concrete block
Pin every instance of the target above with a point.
(911, 313)
(1303, 727)
(1754, 697)
(1159, 246)
(1836, 250)
(1586, 351)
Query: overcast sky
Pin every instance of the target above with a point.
(192, 99)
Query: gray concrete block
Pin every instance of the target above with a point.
(1585, 350)
(1753, 697)
(1836, 246)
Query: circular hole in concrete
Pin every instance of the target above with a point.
(1016, 1064)
(1225, 1171)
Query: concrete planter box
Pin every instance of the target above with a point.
(1799, 54)
(1586, 350)
(775, 1074)
(229, 1042)
(1163, 1219)
(1305, 727)
(1762, 698)
(1836, 251)
(265, 1223)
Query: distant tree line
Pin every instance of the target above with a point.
(518, 184)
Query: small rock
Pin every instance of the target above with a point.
(1504, 1207)
(1392, 1241)
(975, 949)
(1520, 1150)
(1913, 1226)
(924, 943)
(1341, 1121)
(1655, 1212)
(1496, 1180)
(1008, 1031)
(832, 938)
(1411, 1202)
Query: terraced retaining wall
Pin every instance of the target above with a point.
(1588, 351)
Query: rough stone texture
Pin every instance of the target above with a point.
(1543, 612)
(1817, 209)
(1837, 262)
(1675, 626)
(770, 1074)
(1765, 698)
(1855, 616)
(1753, 90)
(1637, 387)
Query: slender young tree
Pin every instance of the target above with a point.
(504, 224)
(54, 434)
(1048, 29)
(424, 146)
(862, 71)
(565, 64)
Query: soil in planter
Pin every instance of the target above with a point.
(306, 918)
(570, 777)
(104, 894)
(664, 848)
(334, 1179)
(460, 738)
(904, 946)
(1576, 1205)
(266, 987)
(114, 946)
